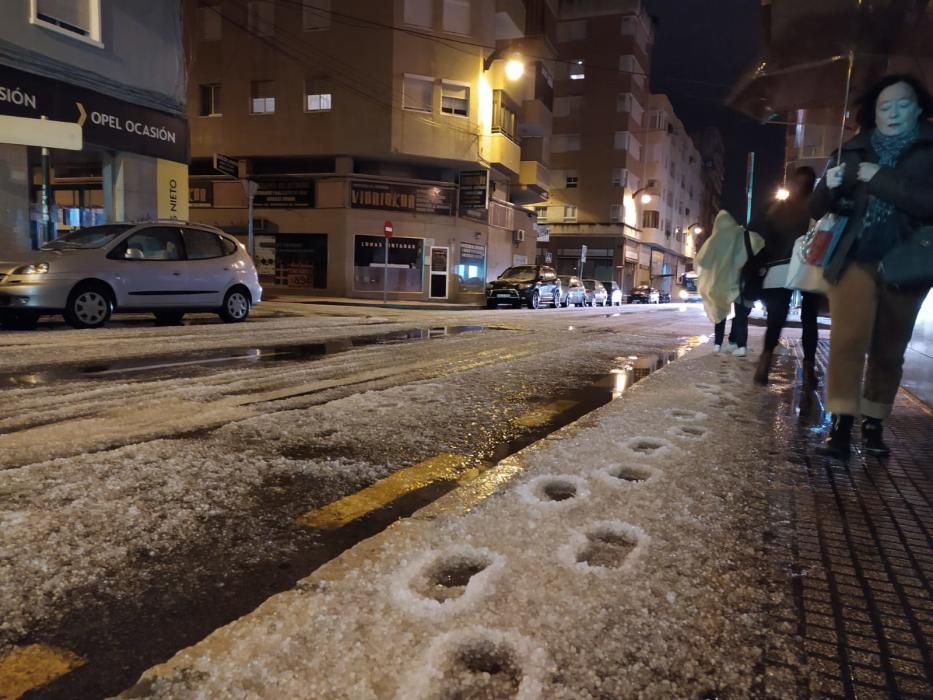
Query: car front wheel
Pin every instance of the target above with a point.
(89, 306)
(236, 306)
(534, 301)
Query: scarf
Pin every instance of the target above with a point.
(889, 150)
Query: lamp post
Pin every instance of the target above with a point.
(514, 67)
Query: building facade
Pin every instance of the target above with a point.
(92, 116)
(416, 128)
(615, 145)
(713, 158)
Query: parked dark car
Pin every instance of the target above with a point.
(644, 294)
(572, 291)
(596, 294)
(615, 293)
(535, 285)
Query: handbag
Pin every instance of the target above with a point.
(822, 238)
(776, 275)
(801, 274)
(910, 264)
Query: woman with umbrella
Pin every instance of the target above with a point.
(883, 183)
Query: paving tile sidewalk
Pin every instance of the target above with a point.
(851, 545)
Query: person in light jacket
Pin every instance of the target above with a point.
(884, 184)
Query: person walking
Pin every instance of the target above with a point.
(883, 182)
(720, 261)
(781, 225)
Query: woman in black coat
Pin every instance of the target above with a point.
(884, 184)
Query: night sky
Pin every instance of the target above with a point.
(701, 49)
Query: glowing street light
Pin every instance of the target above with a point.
(515, 67)
(646, 198)
(782, 194)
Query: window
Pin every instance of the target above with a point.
(315, 14)
(504, 114)
(541, 214)
(571, 31)
(577, 69)
(77, 18)
(418, 93)
(616, 213)
(650, 219)
(210, 100)
(572, 179)
(455, 98)
(626, 142)
(620, 177)
(419, 13)
(202, 245)
(262, 100)
(560, 143)
(626, 103)
(570, 213)
(318, 102)
(260, 17)
(210, 21)
(457, 16)
(568, 106)
(154, 243)
(656, 121)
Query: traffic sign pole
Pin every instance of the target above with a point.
(387, 233)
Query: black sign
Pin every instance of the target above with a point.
(200, 194)
(226, 165)
(474, 187)
(105, 121)
(284, 194)
(422, 199)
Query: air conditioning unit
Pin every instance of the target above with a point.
(519, 236)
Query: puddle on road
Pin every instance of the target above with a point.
(300, 352)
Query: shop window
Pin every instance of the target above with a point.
(651, 219)
(471, 267)
(211, 21)
(455, 98)
(419, 13)
(260, 17)
(577, 69)
(262, 100)
(77, 18)
(315, 15)
(210, 100)
(418, 93)
(404, 270)
(504, 114)
(457, 16)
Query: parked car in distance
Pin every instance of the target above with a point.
(643, 294)
(614, 291)
(534, 285)
(572, 291)
(165, 268)
(596, 294)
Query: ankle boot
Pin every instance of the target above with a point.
(810, 380)
(838, 444)
(872, 442)
(764, 366)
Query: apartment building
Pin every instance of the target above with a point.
(92, 116)
(712, 150)
(350, 116)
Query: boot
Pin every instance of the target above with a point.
(764, 366)
(872, 442)
(838, 442)
(810, 380)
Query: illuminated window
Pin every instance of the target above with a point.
(262, 99)
(570, 213)
(577, 69)
(455, 98)
(651, 219)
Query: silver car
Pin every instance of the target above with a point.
(164, 268)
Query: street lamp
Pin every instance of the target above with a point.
(646, 197)
(514, 67)
(783, 194)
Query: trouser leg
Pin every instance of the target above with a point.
(809, 312)
(894, 325)
(719, 332)
(777, 302)
(853, 303)
(739, 333)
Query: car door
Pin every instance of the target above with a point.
(149, 269)
(208, 268)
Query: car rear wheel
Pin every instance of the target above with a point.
(236, 306)
(168, 318)
(89, 306)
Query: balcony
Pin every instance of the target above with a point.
(501, 152)
(510, 19)
(537, 120)
(534, 183)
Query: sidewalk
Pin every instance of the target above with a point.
(683, 541)
(294, 297)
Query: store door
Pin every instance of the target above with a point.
(439, 272)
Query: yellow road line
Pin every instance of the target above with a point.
(346, 510)
(544, 414)
(30, 667)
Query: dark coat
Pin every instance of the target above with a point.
(908, 186)
(781, 224)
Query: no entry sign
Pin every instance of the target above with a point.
(387, 229)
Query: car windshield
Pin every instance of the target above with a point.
(589, 284)
(93, 237)
(521, 273)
